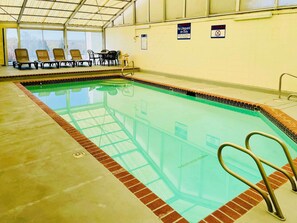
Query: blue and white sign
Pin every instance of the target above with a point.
(184, 31)
(218, 31)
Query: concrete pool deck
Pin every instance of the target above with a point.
(39, 173)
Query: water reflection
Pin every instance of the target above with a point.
(169, 143)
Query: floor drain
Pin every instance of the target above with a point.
(79, 154)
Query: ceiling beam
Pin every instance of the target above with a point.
(82, 2)
(22, 10)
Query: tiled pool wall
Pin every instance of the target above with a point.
(229, 212)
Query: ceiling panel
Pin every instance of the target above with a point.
(12, 2)
(66, 6)
(102, 17)
(91, 13)
(62, 14)
(55, 20)
(87, 8)
(78, 22)
(11, 10)
(7, 18)
(36, 12)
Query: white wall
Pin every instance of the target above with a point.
(254, 52)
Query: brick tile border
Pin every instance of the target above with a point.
(229, 212)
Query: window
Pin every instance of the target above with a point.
(142, 11)
(174, 9)
(52, 39)
(156, 10)
(246, 5)
(34, 40)
(77, 40)
(84, 41)
(222, 6)
(287, 2)
(12, 43)
(128, 15)
(195, 8)
(31, 40)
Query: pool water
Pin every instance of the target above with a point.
(167, 140)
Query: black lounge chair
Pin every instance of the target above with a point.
(22, 57)
(59, 56)
(43, 58)
(77, 58)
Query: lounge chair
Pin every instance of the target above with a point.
(22, 57)
(77, 58)
(59, 56)
(43, 58)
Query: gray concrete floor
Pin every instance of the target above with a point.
(41, 181)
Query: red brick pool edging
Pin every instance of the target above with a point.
(229, 212)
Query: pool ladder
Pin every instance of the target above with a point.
(280, 85)
(127, 65)
(270, 198)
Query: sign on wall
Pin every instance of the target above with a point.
(144, 41)
(218, 31)
(184, 31)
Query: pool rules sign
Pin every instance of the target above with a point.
(218, 31)
(184, 31)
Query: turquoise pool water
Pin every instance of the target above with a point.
(167, 140)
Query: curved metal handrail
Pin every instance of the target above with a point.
(123, 68)
(278, 213)
(286, 151)
(292, 95)
(280, 83)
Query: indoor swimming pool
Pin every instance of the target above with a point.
(166, 139)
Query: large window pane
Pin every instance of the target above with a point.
(118, 20)
(53, 39)
(84, 41)
(142, 11)
(195, 8)
(222, 6)
(128, 15)
(174, 9)
(287, 2)
(77, 40)
(12, 43)
(31, 40)
(156, 10)
(246, 5)
(94, 41)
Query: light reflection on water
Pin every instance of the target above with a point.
(167, 140)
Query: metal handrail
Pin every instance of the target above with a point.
(292, 95)
(280, 83)
(126, 65)
(278, 213)
(286, 151)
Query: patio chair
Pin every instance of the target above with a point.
(112, 57)
(22, 57)
(43, 58)
(77, 58)
(59, 56)
(94, 56)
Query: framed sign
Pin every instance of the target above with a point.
(144, 41)
(184, 31)
(218, 31)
